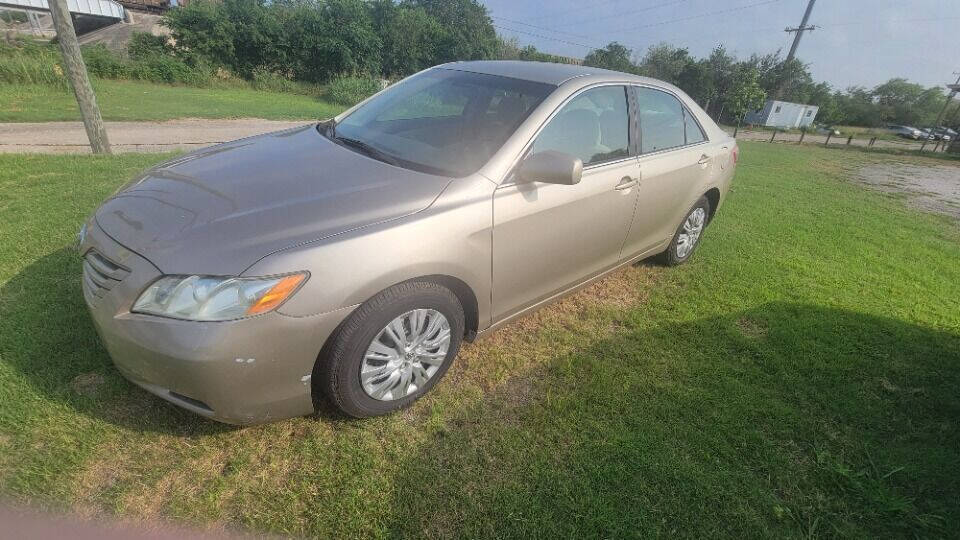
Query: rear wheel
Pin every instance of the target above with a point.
(392, 350)
(687, 237)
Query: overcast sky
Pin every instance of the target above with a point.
(861, 42)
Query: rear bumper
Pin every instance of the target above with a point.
(240, 372)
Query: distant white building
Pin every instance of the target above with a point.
(782, 114)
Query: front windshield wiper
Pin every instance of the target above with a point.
(367, 149)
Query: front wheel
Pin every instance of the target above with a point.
(687, 237)
(392, 350)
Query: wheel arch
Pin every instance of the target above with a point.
(713, 196)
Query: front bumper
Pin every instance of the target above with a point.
(240, 372)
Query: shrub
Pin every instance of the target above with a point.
(31, 63)
(262, 79)
(350, 90)
(103, 63)
(144, 45)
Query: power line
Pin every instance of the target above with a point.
(626, 13)
(692, 17)
(544, 28)
(574, 10)
(541, 36)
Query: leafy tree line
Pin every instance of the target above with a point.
(728, 87)
(317, 40)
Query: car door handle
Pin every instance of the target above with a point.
(626, 182)
(704, 159)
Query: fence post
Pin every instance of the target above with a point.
(803, 132)
(774, 134)
(873, 140)
(850, 138)
(829, 134)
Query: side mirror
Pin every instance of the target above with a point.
(551, 167)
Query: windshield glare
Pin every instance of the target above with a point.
(444, 121)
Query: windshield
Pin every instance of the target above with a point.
(441, 121)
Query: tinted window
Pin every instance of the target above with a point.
(661, 120)
(693, 131)
(443, 121)
(594, 126)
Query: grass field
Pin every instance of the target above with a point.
(798, 378)
(130, 100)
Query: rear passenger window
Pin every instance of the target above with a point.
(661, 120)
(692, 128)
(594, 127)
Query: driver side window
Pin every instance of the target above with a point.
(594, 127)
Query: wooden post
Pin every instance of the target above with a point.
(774, 134)
(77, 72)
(829, 134)
(873, 140)
(850, 138)
(803, 132)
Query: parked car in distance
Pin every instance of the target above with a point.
(943, 133)
(347, 260)
(905, 131)
(828, 130)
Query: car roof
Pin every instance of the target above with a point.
(542, 72)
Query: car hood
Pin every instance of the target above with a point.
(219, 210)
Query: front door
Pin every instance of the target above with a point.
(548, 237)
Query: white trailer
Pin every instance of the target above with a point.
(783, 114)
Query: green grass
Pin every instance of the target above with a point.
(129, 100)
(798, 378)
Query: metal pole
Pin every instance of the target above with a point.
(947, 104)
(873, 140)
(774, 134)
(803, 132)
(800, 30)
(77, 72)
(850, 138)
(829, 134)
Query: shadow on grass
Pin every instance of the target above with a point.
(786, 420)
(47, 334)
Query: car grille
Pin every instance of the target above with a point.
(100, 274)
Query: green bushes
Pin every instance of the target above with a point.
(31, 63)
(350, 90)
(147, 65)
(317, 41)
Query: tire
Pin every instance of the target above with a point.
(337, 375)
(677, 253)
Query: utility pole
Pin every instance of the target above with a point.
(77, 71)
(953, 91)
(800, 30)
(796, 40)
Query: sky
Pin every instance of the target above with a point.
(857, 42)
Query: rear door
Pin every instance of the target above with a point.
(675, 160)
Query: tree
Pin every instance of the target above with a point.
(614, 56)
(410, 37)
(666, 62)
(745, 92)
(467, 31)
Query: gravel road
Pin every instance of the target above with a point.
(186, 134)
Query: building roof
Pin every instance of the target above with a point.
(542, 72)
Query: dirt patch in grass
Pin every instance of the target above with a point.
(931, 188)
(87, 384)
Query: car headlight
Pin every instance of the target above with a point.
(212, 298)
